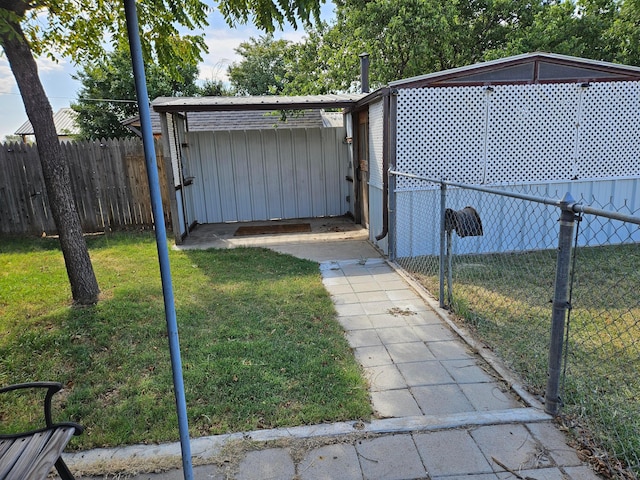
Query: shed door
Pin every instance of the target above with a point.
(251, 175)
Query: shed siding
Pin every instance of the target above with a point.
(261, 175)
(506, 222)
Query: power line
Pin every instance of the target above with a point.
(111, 100)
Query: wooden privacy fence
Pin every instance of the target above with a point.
(108, 179)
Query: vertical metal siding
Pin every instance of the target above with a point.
(251, 175)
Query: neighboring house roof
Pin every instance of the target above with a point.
(64, 121)
(265, 102)
(245, 120)
(527, 68)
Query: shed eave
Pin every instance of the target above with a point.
(598, 70)
(268, 103)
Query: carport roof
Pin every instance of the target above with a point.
(267, 102)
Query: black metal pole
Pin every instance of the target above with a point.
(560, 305)
(443, 239)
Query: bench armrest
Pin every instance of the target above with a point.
(52, 388)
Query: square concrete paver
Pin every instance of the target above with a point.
(331, 462)
(387, 320)
(480, 476)
(424, 373)
(395, 403)
(384, 377)
(406, 295)
(556, 443)
(453, 350)
(441, 400)
(451, 452)
(376, 308)
(339, 289)
(349, 309)
(390, 458)
(355, 322)
(372, 356)
(363, 338)
(270, 464)
(434, 333)
(409, 352)
(488, 396)
(345, 299)
(538, 474)
(401, 334)
(513, 445)
(467, 371)
(582, 473)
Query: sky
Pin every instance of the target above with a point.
(62, 89)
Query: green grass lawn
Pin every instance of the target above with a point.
(506, 300)
(261, 347)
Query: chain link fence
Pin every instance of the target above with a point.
(550, 284)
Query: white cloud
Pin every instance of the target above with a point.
(7, 80)
(7, 83)
(222, 44)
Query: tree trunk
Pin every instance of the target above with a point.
(84, 286)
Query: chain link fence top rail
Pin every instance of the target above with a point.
(501, 284)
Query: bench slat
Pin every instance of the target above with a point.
(33, 457)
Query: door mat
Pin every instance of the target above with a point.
(272, 229)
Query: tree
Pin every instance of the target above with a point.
(214, 88)
(625, 33)
(263, 68)
(108, 92)
(405, 38)
(76, 28)
(581, 29)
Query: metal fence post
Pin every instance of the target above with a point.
(443, 206)
(560, 305)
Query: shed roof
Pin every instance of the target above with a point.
(536, 67)
(265, 102)
(64, 121)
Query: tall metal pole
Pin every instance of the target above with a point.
(560, 305)
(160, 230)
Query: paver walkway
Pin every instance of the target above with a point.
(443, 412)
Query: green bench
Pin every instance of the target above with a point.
(32, 455)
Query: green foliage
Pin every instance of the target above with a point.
(582, 29)
(214, 88)
(268, 15)
(261, 346)
(108, 92)
(264, 67)
(412, 37)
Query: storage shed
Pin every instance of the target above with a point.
(568, 123)
(249, 174)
